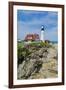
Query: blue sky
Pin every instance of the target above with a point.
(30, 21)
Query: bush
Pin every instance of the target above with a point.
(39, 44)
(22, 54)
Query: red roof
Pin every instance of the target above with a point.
(32, 37)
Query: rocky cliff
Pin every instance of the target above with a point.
(41, 63)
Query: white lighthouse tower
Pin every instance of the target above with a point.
(42, 33)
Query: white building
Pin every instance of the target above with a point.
(42, 33)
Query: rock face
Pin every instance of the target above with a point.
(41, 63)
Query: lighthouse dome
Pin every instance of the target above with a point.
(42, 28)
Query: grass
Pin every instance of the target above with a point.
(20, 44)
(34, 43)
(23, 52)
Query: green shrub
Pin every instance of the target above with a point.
(22, 53)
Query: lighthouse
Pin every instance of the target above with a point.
(42, 33)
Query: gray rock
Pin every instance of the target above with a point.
(41, 63)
